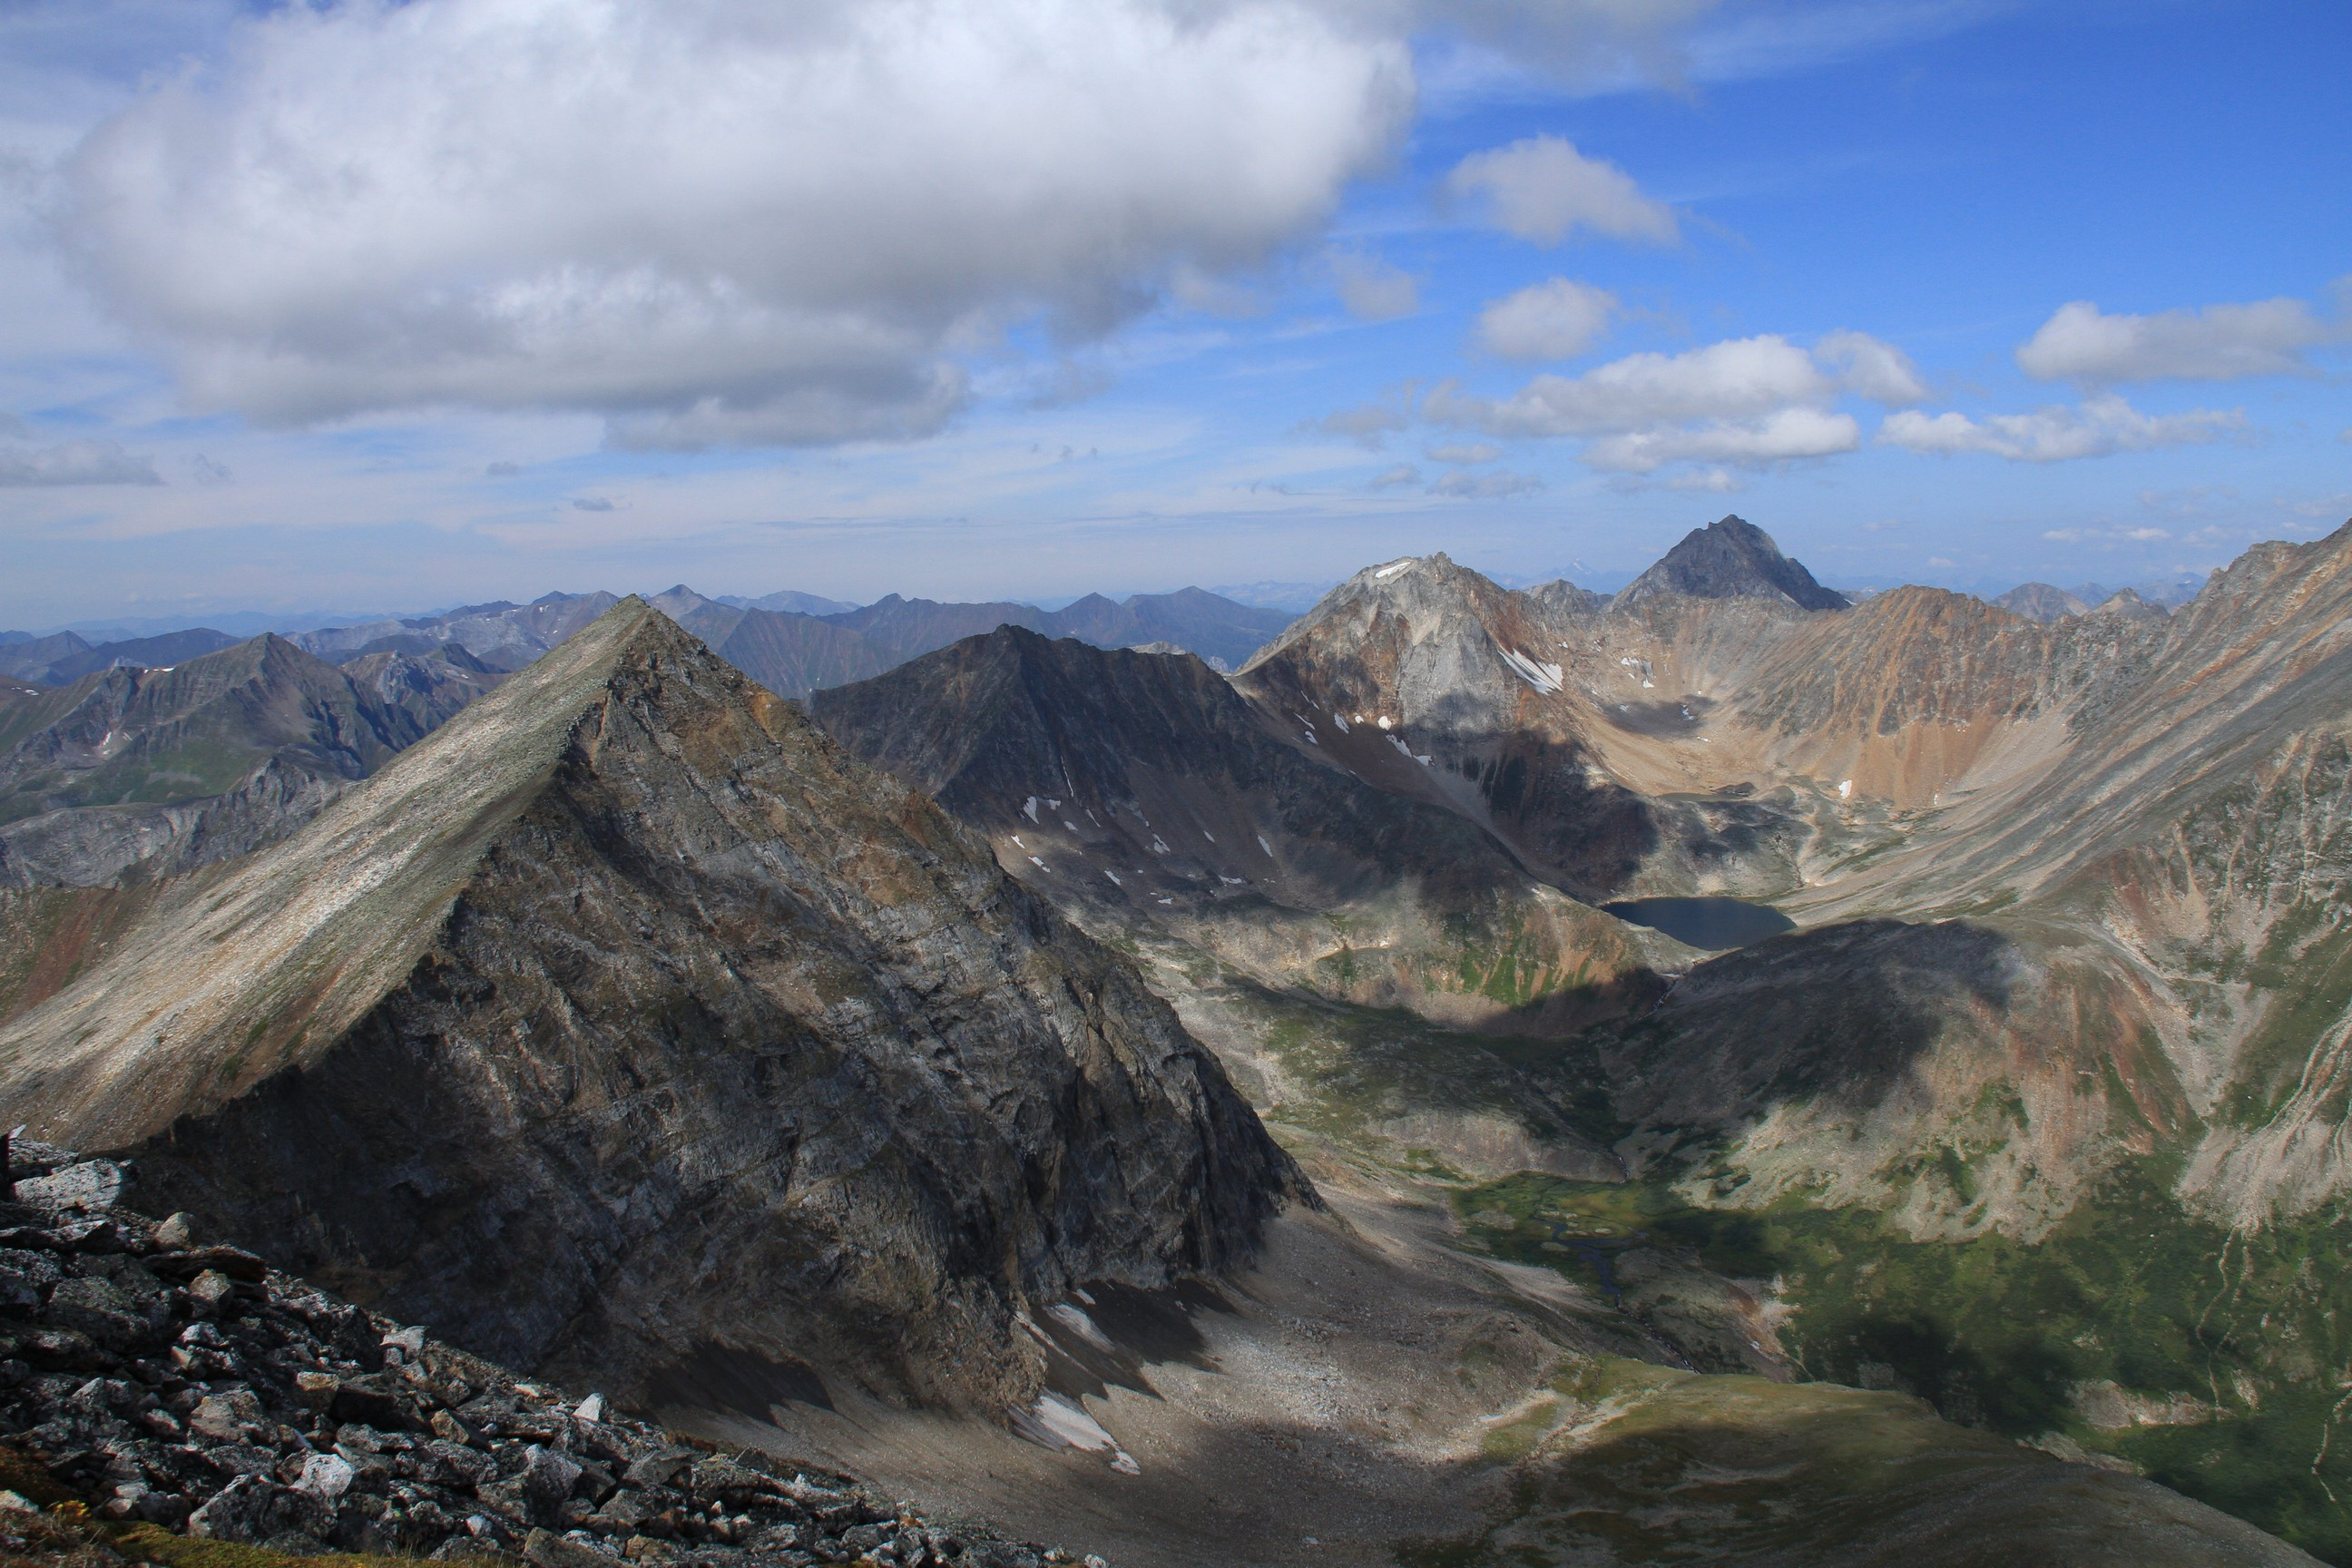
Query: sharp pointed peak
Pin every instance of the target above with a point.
(1731, 558)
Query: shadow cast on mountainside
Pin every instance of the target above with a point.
(1781, 1475)
(1591, 833)
(1838, 1014)
(1580, 1460)
(1543, 797)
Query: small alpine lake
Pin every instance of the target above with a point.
(1713, 923)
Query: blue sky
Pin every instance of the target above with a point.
(391, 307)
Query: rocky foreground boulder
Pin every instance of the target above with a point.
(157, 1379)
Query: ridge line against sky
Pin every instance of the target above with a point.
(370, 305)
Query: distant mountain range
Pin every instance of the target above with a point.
(505, 636)
(131, 773)
(62, 659)
(126, 760)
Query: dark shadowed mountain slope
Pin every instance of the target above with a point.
(706, 618)
(1190, 618)
(1143, 776)
(1730, 559)
(629, 1027)
(788, 602)
(31, 658)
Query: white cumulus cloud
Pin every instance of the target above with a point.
(1870, 368)
(2220, 342)
(1777, 436)
(712, 221)
(1542, 189)
(1747, 400)
(2102, 427)
(1557, 319)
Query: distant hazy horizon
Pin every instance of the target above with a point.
(1299, 598)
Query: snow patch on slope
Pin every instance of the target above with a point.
(1544, 678)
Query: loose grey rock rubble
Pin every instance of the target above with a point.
(196, 1388)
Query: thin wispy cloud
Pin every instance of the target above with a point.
(75, 462)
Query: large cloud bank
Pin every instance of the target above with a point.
(712, 221)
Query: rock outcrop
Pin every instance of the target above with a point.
(627, 1022)
(164, 1383)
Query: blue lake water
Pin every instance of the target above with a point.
(1714, 924)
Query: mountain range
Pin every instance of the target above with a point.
(779, 645)
(128, 768)
(1718, 1070)
(136, 773)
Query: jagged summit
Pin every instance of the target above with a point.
(629, 969)
(1730, 559)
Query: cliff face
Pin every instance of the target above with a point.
(627, 1022)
